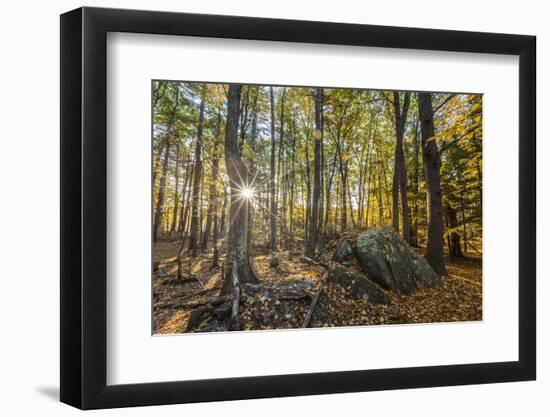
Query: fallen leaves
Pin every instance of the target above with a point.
(459, 299)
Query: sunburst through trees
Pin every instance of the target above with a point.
(281, 207)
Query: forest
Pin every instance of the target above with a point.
(277, 207)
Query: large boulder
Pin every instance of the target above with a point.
(359, 286)
(343, 252)
(390, 262)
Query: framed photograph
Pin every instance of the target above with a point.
(256, 208)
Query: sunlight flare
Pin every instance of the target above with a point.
(247, 193)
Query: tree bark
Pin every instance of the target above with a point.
(311, 243)
(273, 205)
(307, 217)
(293, 183)
(224, 212)
(212, 189)
(416, 149)
(400, 171)
(252, 173)
(162, 186)
(455, 250)
(432, 167)
(162, 189)
(176, 190)
(380, 204)
(463, 218)
(237, 243)
(280, 169)
(185, 224)
(186, 182)
(194, 232)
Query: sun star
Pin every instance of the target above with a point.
(247, 193)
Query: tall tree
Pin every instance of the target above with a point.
(213, 188)
(176, 190)
(162, 186)
(432, 166)
(197, 179)
(253, 155)
(273, 204)
(400, 171)
(186, 182)
(237, 242)
(415, 181)
(311, 243)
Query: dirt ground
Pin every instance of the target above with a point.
(459, 299)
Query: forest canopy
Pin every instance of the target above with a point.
(251, 180)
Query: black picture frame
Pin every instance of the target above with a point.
(84, 207)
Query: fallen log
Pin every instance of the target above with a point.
(180, 305)
(315, 300)
(307, 260)
(329, 246)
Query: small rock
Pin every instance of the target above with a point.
(198, 316)
(344, 252)
(217, 301)
(222, 312)
(273, 262)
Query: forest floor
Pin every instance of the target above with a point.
(174, 299)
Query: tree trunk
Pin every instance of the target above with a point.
(308, 195)
(280, 169)
(162, 189)
(380, 204)
(350, 203)
(252, 143)
(432, 166)
(273, 208)
(343, 180)
(194, 232)
(327, 193)
(160, 199)
(400, 171)
(344, 219)
(212, 190)
(455, 251)
(185, 217)
(415, 186)
(463, 218)
(186, 181)
(293, 183)
(224, 212)
(395, 197)
(237, 247)
(369, 188)
(311, 243)
(176, 190)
